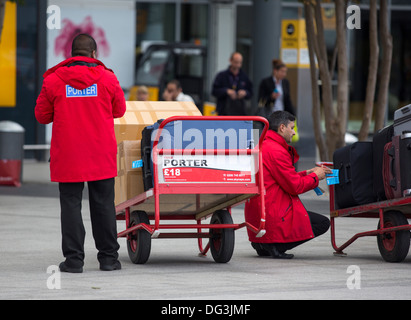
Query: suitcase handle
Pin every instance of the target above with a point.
(393, 182)
(347, 173)
(146, 156)
(344, 173)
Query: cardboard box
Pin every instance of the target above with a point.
(129, 181)
(140, 114)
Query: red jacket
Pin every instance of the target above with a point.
(286, 216)
(81, 97)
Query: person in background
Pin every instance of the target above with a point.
(288, 223)
(80, 96)
(274, 91)
(232, 87)
(174, 92)
(142, 93)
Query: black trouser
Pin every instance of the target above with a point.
(103, 221)
(319, 224)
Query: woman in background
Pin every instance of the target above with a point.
(274, 91)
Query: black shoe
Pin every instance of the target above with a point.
(270, 248)
(110, 267)
(64, 268)
(260, 251)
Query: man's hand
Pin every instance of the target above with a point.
(241, 94)
(320, 171)
(232, 94)
(275, 95)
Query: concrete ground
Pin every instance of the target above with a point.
(30, 249)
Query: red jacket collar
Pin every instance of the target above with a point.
(272, 135)
(71, 60)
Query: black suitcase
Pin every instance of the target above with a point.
(380, 139)
(146, 147)
(355, 164)
(397, 167)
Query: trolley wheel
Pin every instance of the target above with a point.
(221, 240)
(394, 245)
(139, 241)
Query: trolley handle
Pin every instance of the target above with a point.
(325, 163)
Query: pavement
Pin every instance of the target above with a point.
(30, 250)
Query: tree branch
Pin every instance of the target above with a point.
(372, 73)
(385, 74)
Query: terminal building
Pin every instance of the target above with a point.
(38, 33)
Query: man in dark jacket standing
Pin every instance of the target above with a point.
(232, 87)
(82, 97)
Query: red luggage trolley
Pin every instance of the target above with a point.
(182, 196)
(393, 236)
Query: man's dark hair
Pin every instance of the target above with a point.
(277, 118)
(83, 45)
(278, 64)
(176, 82)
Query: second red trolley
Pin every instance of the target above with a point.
(392, 232)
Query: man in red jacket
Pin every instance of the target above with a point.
(288, 224)
(82, 97)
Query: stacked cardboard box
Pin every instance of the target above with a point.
(129, 181)
(139, 114)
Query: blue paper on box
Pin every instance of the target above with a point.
(332, 178)
(137, 164)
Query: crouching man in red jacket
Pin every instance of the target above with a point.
(288, 224)
(82, 97)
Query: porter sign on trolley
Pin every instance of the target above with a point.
(203, 168)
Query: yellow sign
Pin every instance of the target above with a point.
(294, 48)
(209, 109)
(8, 57)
